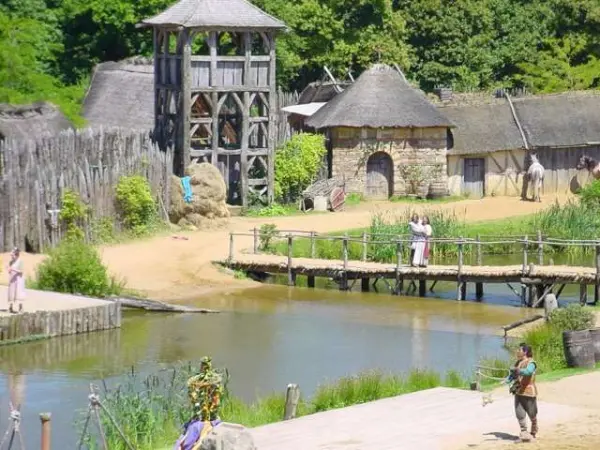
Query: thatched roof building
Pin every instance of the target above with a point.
(34, 120)
(486, 124)
(379, 98)
(121, 95)
(230, 15)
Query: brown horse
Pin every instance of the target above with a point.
(592, 166)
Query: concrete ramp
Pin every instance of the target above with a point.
(425, 420)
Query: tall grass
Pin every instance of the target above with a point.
(573, 220)
(151, 410)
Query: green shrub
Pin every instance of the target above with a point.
(136, 204)
(573, 318)
(73, 213)
(267, 232)
(590, 194)
(75, 267)
(297, 164)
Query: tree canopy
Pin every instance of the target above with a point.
(48, 48)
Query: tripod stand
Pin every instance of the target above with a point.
(14, 429)
(94, 408)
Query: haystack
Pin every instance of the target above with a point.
(207, 208)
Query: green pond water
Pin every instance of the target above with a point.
(267, 337)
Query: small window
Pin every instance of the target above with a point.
(345, 133)
(386, 134)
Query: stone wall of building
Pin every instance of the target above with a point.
(412, 150)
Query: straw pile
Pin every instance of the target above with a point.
(207, 208)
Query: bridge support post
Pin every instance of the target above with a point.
(311, 281)
(461, 288)
(478, 290)
(461, 291)
(583, 294)
(422, 288)
(364, 284)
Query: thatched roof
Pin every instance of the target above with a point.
(215, 15)
(560, 120)
(121, 95)
(482, 128)
(320, 92)
(31, 121)
(380, 97)
(486, 124)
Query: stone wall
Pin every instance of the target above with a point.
(408, 147)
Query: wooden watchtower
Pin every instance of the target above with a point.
(215, 90)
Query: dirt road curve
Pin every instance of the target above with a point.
(175, 269)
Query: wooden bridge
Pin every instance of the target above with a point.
(536, 280)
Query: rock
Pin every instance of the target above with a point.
(228, 436)
(550, 304)
(208, 207)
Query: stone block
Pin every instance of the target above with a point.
(228, 436)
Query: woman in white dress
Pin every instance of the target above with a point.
(16, 281)
(428, 233)
(419, 241)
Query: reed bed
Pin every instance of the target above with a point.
(152, 409)
(570, 221)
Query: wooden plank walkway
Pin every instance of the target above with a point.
(359, 269)
(428, 419)
(50, 314)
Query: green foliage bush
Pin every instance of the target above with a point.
(75, 267)
(590, 194)
(135, 203)
(297, 164)
(267, 232)
(546, 340)
(73, 212)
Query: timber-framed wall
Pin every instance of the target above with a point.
(215, 91)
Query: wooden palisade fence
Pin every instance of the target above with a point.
(34, 175)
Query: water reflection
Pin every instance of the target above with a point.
(266, 337)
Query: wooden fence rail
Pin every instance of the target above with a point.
(35, 174)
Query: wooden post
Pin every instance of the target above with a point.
(582, 294)
(292, 398)
(479, 255)
(45, 418)
(597, 285)
(312, 244)
(398, 264)
(186, 100)
(291, 278)
(255, 240)
(479, 285)
(540, 248)
(344, 285)
(311, 281)
(523, 272)
(364, 284)
(460, 289)
(478, 290)
(364, 246)
(422, 288)
(230, 247)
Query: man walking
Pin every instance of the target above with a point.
(522, 386)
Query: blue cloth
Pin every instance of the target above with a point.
(191, 433)
(187, 189)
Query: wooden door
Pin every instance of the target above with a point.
(474, 177)
(380, 176)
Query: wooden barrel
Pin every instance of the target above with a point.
(595, 336)
(579, 350)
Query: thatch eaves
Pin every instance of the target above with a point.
(569, 119)
(35, 120)
(482, 128)
(121, 94)
(379, 98)
(215, 15)
(320, 92)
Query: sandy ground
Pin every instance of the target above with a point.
(169, 268)
(582, 432)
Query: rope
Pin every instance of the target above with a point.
(14, 428)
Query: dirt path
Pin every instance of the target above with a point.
(175, 269)
(582, 391)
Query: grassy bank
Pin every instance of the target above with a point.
(152, 410)
(570, 221)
